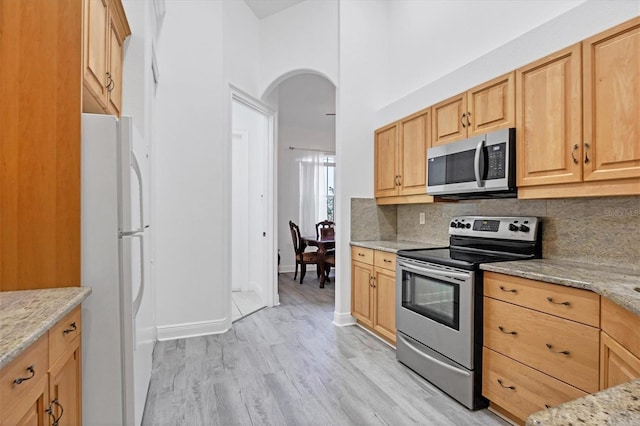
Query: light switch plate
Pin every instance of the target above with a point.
(422, 219)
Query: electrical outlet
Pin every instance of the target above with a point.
(422, 219)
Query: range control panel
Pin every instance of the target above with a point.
(522, 228)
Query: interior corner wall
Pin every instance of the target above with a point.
(192, 172)
(241, 44)
(363, 49)
(301, 37)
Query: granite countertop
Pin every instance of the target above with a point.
(394, 246)
(619, 405)
(28, 314)
(622, 286)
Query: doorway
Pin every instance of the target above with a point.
(252, 242)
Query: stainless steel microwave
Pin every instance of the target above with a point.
(483, 166)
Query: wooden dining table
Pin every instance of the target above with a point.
(324, 245)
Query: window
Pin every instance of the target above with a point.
(317, 190)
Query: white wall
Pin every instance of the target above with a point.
(302, 37)
(241, 45)
(192, 184)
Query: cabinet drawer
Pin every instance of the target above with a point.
(361, 254)
(519, 389)
(566, 302)
(64, 333)
(384, 260)
(34, 357)
(564, 349)
(622, 325)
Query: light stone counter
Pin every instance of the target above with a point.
(617, 284)
(26, 315)
(393, 246)
(619, 405)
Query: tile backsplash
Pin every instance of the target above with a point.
(604, 230)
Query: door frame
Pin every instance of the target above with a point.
(271, 297)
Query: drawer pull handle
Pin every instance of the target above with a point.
(71, 329)
(387, 260)
(550, 346)
(513, 333)
(550, 299)
(513, 290)
(547, 406)
(49, 411)
(31, 370)
(361, 254)
(506, 387)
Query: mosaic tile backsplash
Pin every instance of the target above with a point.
(604, 230)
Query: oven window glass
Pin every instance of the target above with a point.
(432, 298)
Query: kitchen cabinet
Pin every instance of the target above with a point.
(41, 48)
(541, 344)
(42, 384)
(401, 160)
(619, 345)
(577, 126)
(105, 30)
(373, 283)
(487, 107)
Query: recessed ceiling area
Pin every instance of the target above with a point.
(264, 8)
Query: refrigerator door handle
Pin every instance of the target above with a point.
(136, 168)
(137, 301)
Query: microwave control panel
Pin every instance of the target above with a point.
(496, 157)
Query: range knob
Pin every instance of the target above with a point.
(453, 224)
(524, 228)
(513, 227)
(468, 225)
(460, 225)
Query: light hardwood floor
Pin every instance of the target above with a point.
(291, 365)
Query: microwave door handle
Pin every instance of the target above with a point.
(476, 164)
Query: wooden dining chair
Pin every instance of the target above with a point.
(325, 229)
(303, 258)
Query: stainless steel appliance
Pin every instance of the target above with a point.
(439, 300)
(479, 167)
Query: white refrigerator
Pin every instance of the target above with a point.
(118, 322)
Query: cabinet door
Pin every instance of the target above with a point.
(115, 69)
(548, 111)
(612, 103)
(64, 388)
(29, 410)
(95, 50)
(361, 306)
(617, 364)
(386, 161)
(491, 106)
(384, 300)
(415, 137)
(449, 120)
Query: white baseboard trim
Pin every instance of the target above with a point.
(200, 328)
(343, 319)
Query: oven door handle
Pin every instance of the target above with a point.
(425, 271)
(476, 164)
(432, 359)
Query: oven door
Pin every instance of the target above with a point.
(435, 307)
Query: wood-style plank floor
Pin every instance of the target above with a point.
(290, 365)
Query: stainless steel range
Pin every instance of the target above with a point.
(439, 300)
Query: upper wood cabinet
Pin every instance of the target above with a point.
(577, 118)
(400, 152)
(487, 107)
(105, 30)
(41, 48)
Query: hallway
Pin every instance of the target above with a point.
(291, 365)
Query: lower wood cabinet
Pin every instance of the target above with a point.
(373, 284)
(541, 344)
(619, 345)
(42, 386)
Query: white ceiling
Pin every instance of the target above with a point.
(264, 8)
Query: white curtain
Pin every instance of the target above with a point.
(313, 192)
